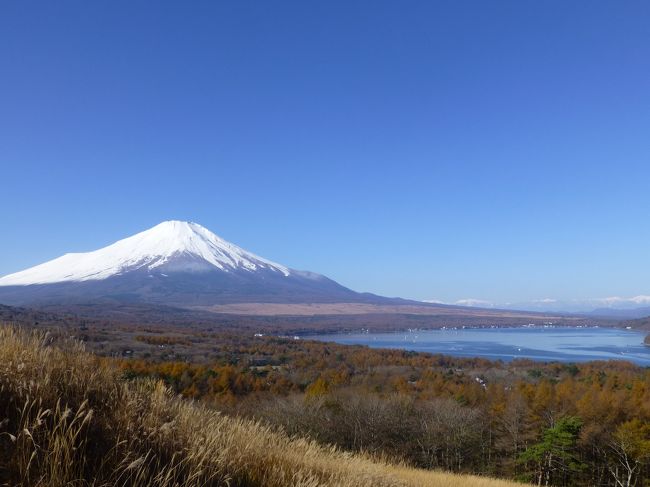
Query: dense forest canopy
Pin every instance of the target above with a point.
(555, 423)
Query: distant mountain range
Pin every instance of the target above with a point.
(620, 313)
(611, 307)
(175, 263)
(182, 265)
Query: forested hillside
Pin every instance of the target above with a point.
(568, 424)
(69, 419)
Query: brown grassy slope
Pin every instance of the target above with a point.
(66, 419)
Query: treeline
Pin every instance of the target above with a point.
(532, 435)
(553, 424)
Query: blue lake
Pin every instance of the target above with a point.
(537, 343)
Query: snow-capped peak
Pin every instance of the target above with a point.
(177, 243)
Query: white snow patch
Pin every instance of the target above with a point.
(149, 250)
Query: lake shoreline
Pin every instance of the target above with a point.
(547, 343)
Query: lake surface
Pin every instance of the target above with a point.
(537, 343)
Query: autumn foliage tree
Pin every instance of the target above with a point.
(630, 445)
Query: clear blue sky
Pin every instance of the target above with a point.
(433, 150)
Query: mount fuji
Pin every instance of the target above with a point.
(174, 263)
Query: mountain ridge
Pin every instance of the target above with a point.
(176, 263)
(182, 265)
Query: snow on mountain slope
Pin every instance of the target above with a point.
(175, 245)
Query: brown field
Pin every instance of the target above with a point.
(282, 319)
(317, 309)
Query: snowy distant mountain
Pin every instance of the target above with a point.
(176, 263)
(169, 246)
